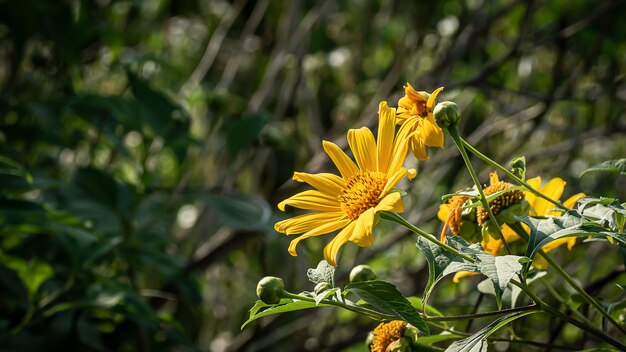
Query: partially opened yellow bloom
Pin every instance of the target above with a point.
(415, 112)
(349, 202)
(541, 207)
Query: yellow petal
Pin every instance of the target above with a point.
(570, 241)
(318, 231)
(432, 135)
(540, 263)
(362, 235)
(509, 234)
(571, 201)
(444, 211)
(392, 181)
(311, 200)
(332, 248)
(432, 99)
(493, 178)
(363, 148)
(419, 148)
(461, 274)
(411, 174)
(386, 131)
(345, 165)
(534, 183)
(391, 202)
(330, 184)
(400, 148)
(553, 189)
(492, 247)
(306, 222)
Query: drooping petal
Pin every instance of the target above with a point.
(432, 135)
(325, 182)
(570, 241)
(386, 131)
(363, 148)
(553, 189)
(411, 174)
(311, 200)
(362, 234)
(318, 231)
(306, 222)
(392, 202)
(344, 164)
(419, 148)
(535, 183)
(332, 248)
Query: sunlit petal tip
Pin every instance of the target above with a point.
(432, 99)
(493, 178)
(412, 173)
(282, 204)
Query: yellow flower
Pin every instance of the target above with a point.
(541, 207)
(415, 112)
(349, 203)
(450, 213)
(387, 333)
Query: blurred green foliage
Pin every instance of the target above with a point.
(145, 143)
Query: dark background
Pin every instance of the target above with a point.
(161, 134)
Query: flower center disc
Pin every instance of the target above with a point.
(501, 202)
(362, 192)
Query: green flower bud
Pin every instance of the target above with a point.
(321, 287)
(270, 289)
(362, 273)
(446, 114)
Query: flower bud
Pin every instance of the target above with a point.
(321, 287)
(362, 273)
(270, 289)
(446, 114)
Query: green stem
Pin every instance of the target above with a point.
(483, 315)
(581, 291)
(510, 174)
(401, 221)
(454, 133)
(547, 308)
(354, 308)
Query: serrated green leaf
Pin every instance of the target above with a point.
(617, 165)
(478, 341)
(385, 297)
(291, 306)
(323, 295)
(500, 270)
(442, 262)
(323, 273)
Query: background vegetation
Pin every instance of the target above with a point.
(145, 144)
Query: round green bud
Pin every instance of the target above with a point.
(362, 273)
(270, 289)
(321, 287)
(446, 114)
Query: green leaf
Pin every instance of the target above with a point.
(618, 165)
(323, 295)
(13, 178)
(429, 340)
(386, 298)
(106, 299)
(323, 273)
(242, 211)
(478, 341)
(32, 273)
(500, 270)
(242, 132)
(442, 263)
(518, 166)
(292, 305)
(607, 211)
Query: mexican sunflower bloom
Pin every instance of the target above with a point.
(350, 202)
(386, 334)
(415, 112)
